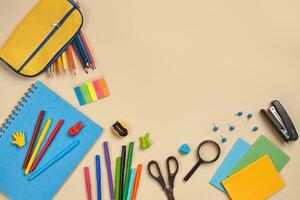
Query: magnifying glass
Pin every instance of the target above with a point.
(205, 155)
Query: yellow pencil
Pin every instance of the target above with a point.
(64, 60)
(38, 145)
(59, 65)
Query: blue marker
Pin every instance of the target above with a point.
(98, 171)
(53, 160)
(131, 183)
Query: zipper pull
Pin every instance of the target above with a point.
(57, 25)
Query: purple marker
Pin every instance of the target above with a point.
(108, 166)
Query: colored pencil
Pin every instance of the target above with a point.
(53, 69)
(137, 181)
(71, 59)
(54, 160)
(84, 50)
(38, 145)
(109, 173)
(130, 184)
(80, 57)
(98, 172)
(123, 167)
(88, 49)
(128, 168)
(33, 139)
(59, 65)
(88, 183)
(81, 52)
(49, 141)
(118, 176)
(49, 71)
(64, 60)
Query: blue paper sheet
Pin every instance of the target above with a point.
(238, 150)
(13, 183)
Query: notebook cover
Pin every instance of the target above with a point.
(238, 150)
(13, 182)
(261, 147)
(257, 181)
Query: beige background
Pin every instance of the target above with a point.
(174, 67)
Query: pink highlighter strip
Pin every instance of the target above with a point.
(98, 90)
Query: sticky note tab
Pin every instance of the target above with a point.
(98, 90)
(257, 181)
(79, 96)
(92, 91)
(104, 87)
(238, 150)
(261, 147)
(85, 92)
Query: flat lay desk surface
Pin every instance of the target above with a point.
(174, 68)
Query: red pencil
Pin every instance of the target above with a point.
(33, 139)
(51, 138)
(88, 183)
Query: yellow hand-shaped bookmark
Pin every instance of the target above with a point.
(19, 139)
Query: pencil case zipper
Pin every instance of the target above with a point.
(56, 27)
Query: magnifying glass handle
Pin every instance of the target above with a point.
(191, 172)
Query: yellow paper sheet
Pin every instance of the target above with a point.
(257, 181)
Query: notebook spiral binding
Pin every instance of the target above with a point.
(14, 113)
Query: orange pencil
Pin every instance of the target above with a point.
(71, 59)
(137, 181)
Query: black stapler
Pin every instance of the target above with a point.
(280, 121)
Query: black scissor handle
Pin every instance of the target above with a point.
(158, 178)
(171, 176)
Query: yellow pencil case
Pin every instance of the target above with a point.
(42, 36)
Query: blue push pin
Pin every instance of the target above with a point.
(231, 127)
(239, 114)
(249, 116)
(223, 139)
(254, 129)
(215, 128)
(185, 149)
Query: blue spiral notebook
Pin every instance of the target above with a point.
(13, 183)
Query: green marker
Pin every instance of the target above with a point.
(128, 169)
(118, 179)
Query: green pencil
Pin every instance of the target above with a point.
(128, 169)
(118, 179)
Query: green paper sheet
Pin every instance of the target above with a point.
(261, 147)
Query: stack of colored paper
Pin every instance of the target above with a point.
(247, 171)
(92, 91)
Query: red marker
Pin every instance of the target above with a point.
(88, 183)
(51, 138)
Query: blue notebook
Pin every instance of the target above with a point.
(13, 183)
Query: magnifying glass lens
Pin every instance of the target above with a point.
(208, 152)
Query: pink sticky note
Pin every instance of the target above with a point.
(98, 90)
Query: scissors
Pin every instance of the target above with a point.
(171, 176)
(201, 160)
